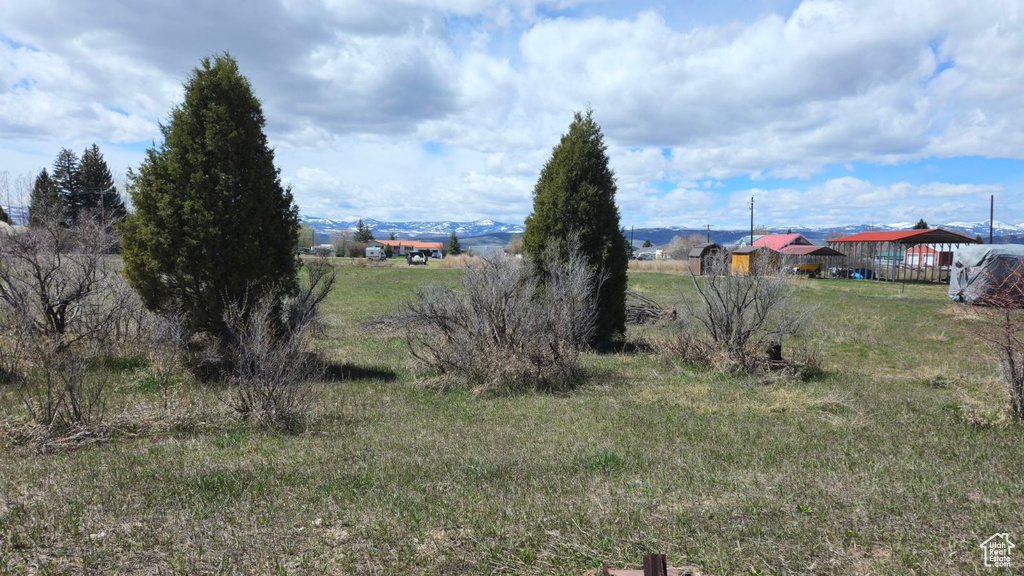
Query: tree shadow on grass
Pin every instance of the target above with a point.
(338, 372)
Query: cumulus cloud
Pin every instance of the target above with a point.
(832, 202)
(353, 90)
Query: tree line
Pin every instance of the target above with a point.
(76, 188)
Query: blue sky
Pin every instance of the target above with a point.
(828, 112)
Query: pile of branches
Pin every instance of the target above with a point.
(643, 310)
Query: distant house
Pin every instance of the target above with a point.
(924, 255)
(779, 241)
(404, 247)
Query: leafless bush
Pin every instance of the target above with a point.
(271, 354)
(737, 322)
(60, 391)
(506, 327)
(56, 281)
(1000, 323)
(168, 340)
(60, 299)
(680, 246)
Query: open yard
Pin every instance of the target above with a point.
(901, 459)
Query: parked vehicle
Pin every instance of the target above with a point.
(417, 257)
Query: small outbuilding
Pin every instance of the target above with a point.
(809, 259)
(987, 273)
(702, 256)
(754, 260)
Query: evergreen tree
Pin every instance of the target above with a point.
(99, 194)
(363, 233)
(4, 217)
(212, 224)
(44, 200)
(921, 225)
(454, 246)
(647, 244)
(68, 182)
(575, 196)
(391, 235)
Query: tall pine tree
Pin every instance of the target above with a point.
(363, 232)
(575, 196)
(454, 246)
(68, 182)
(212, 224)
(99, 194)
(44, 201)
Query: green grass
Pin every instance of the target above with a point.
(899, 460)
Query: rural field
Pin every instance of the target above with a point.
(900, 458)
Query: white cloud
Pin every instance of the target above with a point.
(353, 89)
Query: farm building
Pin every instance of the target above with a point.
(403, 247)
(809, 259)
(924, 255)
(754, 259)
(890, 255)
(701, 257)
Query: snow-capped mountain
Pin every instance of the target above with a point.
(415, 229)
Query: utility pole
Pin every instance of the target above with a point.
(709, 233)
(751, 220)
(630, 241)
(991, 213)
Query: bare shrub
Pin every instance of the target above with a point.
(737, 322)
(1000, 323)
(680, 246)
(272, 357)
(60, 299)
(61, 392)
(507, 328)
(355, 249)
(168, 339)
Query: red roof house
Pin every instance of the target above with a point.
(779, 241)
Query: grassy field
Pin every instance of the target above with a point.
(899, 460)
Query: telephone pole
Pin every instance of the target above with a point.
(991, 214)
(751, 220)
(709, 233)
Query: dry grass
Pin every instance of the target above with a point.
(868, 470)
(459, 261)
(678, 266)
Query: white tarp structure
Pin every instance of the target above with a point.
(981, 272)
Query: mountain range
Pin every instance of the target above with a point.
(493, 232)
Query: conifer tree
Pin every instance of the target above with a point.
(921, 225)
(99, 194)
(363, 232)
(68, 183)
(575, 196)
(4, 217)
(44, 201)
(212, 224)
(454, 246)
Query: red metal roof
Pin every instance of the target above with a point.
(932, 235)
(779, 241)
